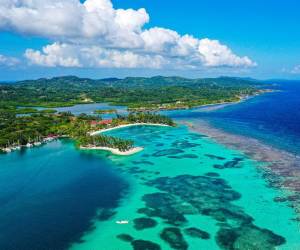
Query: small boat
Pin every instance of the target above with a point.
(18, 147)
(29, 145)
(7, 150)
(122, 221)
(37, 143)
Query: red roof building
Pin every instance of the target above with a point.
(103, 122)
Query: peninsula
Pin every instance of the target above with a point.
(37, 129)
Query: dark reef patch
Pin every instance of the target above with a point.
(143, 162)
(230, 217)
(106, 214)
(230, 164)
(184, 144)
(137, 170)
(174, 157)
(210, 196)
(184, 156)
(125, 237)
(212, 174)
(163, 205)
(197, 233)
(174, 237)
(144, 245)
(280, 199)
(166, 152)
(144, 223)
(159, 144)
(248, 237)
(215, 157)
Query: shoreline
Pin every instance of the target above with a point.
(45, 140)
(115, 151)
(127, 125)
(242, 99)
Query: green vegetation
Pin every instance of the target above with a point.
(20, 130)
(106, 141)
(105, 111)
(147, 117)
(22, 123)
(24, 111)
(146, 93)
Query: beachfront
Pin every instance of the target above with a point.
(127, 125)
(115, 151)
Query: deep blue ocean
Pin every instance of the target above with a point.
(274, 118)
(50, 194)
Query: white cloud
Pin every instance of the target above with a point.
(296, 70)
(95, 34)
(216, 54)
(54, 55)
(67, 55)
(8, 61)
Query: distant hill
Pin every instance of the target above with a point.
(155, 81)
(132, 91)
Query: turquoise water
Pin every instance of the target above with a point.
(188, 192)
(183, 191)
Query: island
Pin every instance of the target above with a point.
(86, 130)
(28, 116)
(114, 145)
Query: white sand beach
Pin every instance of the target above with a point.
(115, 150)
(127, 125)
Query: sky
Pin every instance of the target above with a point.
(119, 38)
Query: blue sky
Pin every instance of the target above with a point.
(267, 33)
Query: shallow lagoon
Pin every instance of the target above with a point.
(191, 201)
(88, 109)
(184, 191)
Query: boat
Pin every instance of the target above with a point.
(122, 221)
(29, 145)
(7, 150)
(37, 143)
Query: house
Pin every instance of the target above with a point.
(103, 122)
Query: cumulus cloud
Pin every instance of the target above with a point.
(216, 54)
(54, 55)
(296, 70)
(95, 34)
(68, 55)
(8, 61)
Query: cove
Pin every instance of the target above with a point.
(49, 196)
